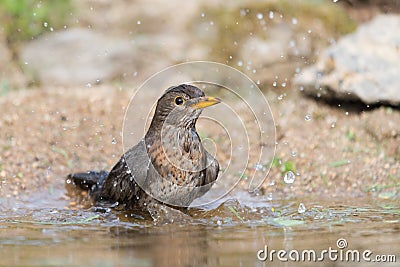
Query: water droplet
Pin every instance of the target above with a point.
(219, 222)
(335, 1)
(274, 84)
(115, 184)
(289, 177)
(269, 196)
(138, 22)
(203, 15)
(333, 125)
(45, 24)
(68, 181)
(272, 183)
(240, 63)
(114, 141)
(260, 16)
(258, 167)
(294, 153)
(294, 21)
(88, 85)
(301, 208)
(307, 117)
(271, 14)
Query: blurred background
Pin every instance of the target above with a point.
(68, 69)
(328, 68)
(86, 42)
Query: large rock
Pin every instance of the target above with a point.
(78, 56)
(362, 66)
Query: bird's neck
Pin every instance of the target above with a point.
(174, 140)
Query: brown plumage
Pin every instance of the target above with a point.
(169, 165)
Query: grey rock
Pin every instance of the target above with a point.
(364, 65)
(77, 57)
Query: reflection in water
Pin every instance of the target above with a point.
(227, 235)
(169, 246)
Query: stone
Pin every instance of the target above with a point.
(77, 57)
(362, 66)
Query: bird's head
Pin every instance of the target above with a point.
(181, 106)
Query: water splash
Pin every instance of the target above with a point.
(289, 177)
(301, 208)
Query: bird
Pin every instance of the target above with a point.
(169, 165)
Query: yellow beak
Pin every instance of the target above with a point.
(204, 102)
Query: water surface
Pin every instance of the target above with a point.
(231, 234)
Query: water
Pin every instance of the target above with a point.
(42, 232)
(289, 177)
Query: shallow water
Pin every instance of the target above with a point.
(32, 234)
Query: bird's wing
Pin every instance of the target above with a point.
(211, 174)
(121, 185)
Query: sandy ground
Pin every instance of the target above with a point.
(338, 151)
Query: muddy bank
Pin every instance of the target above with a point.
(334, 150)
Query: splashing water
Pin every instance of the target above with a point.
(289, 177)
(301, 208)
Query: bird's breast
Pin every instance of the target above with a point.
(178, 155)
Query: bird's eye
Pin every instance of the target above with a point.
(179, 100)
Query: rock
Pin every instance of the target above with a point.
(364, 65)
(78, 57)
(382, 129)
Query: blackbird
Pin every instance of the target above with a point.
(169, 165)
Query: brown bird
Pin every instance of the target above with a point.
(169, 165)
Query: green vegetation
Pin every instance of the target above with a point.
(284, 167)
(339, 163)
(351, 135)
(234, 211)
(24, 19)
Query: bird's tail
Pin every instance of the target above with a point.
(90, 180)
